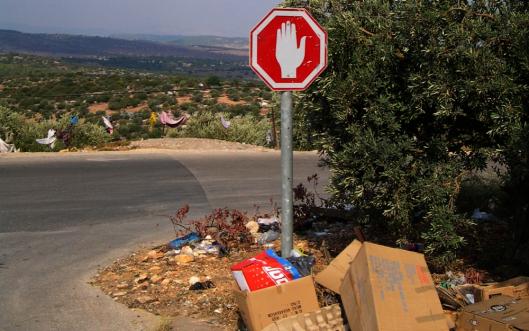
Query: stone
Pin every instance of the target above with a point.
(119, 294)
(186, 250)
(165, 282)
(122, 286)
(171, 252)
(155, 254)
(141, 278)
(156, 279)
(184, 259)
(155, 270)
(145, 299)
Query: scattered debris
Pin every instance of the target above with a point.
(479, 215)
(499, 313)
(198, 286)
(184, 240)
(264, 270)
(309, 290)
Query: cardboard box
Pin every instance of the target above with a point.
(332, 276)
(500, 313)
(265, 306)
(389, 289)
(516, 287)
(325, 319)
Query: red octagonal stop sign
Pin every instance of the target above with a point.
(288, 49)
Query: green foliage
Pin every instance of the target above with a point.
(26, 131)
(243, 129)
(89, 135)
(416, 94)
(213, 81)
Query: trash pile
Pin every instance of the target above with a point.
(381, 288)
(191, 275)
(233, 276)
(477, 306)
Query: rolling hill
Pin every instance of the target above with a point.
(93, 46)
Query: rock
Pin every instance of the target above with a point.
(184, 259)
(252, 226)
(186, 250)
(155, 254)
(122, 286)
(119, 294)
(155, 270)
(141, 278)
(166, 282)
(156, 279)
(145, 299)
(172, 252)
(193, 280)
(218, 311)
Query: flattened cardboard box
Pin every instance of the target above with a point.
(332, 276)
(501, 313)
(389, 289)
(325, 319)
(263, 307)
(516, 287)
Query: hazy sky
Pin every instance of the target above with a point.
(104, 17)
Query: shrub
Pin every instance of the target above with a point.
(243, 129)
(26, 131)
(416, 95)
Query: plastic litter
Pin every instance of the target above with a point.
(184, 240)
(198, 286)
(267, 237)
(264, 270)
(303, 264)
(267, 224)
(482, 215)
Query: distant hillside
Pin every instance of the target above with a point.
(88, 46)
(210, 41)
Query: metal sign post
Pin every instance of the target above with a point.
(287, 209)
(288, 50)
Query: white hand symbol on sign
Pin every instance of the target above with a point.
(288, 54)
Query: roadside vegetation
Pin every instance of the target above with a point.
(43, 93)
(424, 108)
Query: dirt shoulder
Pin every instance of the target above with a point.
(196, 144)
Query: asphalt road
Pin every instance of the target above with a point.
(64, 215)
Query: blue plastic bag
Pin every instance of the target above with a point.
(184, 240)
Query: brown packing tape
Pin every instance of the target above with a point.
(425, 289)
(430, 318)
